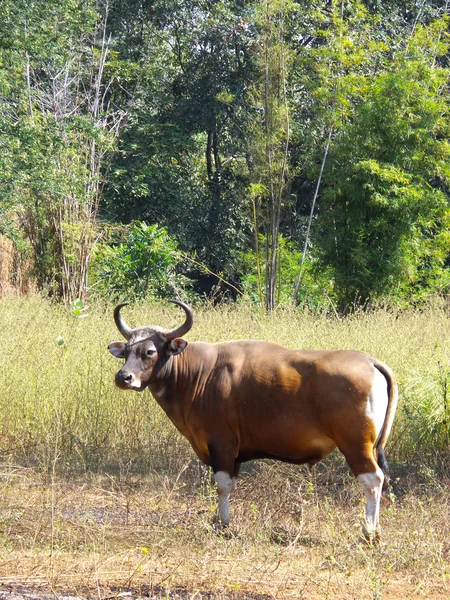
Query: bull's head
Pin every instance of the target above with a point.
(147, 349)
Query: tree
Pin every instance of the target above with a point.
(342, 48)
(270, 140)
(384, 214)
(183, 161)
(59, 129)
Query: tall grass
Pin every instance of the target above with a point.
(59, 406)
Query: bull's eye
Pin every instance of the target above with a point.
(150, 352)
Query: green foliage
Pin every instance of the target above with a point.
(211, 120)
(54, 198)
(272, 169)
(317, 289)
(384, 214)
(57, 133)
(141, 263)
(182, 160)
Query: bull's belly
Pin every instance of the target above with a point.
(311, 452)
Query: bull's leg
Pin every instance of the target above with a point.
(373, 485)
(365, 468)
(225, 485)
(225, 472)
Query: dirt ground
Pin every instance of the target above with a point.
(20, 593)
(106, 539)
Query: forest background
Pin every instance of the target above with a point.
(277, 151)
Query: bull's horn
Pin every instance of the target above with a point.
(124, 329)
(187, 325)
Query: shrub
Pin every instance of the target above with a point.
(141, 261)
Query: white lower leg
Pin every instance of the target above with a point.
(373, 485)
(225, 485)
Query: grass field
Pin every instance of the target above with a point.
(100, 497)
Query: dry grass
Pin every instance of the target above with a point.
(291, 537)
(59, 402)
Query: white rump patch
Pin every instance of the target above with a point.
(378, 401)
(225, 485)
(372, 484)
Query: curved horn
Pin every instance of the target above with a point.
(124, 329)
(187, 325)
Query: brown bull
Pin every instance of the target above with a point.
(241, 400)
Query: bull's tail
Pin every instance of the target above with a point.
(384, 466)
(380, 456)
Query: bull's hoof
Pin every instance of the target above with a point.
(218, 525)
(371, 538)
(222, 529)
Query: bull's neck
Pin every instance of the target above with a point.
(179, 379)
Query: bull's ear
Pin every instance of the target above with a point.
(117, 349)
(176, 346)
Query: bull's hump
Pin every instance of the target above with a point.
(261, 364)
(260, 351)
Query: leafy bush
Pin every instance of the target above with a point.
(141, 261)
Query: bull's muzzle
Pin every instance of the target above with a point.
(126, 380)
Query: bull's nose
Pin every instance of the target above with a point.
(124, 377)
